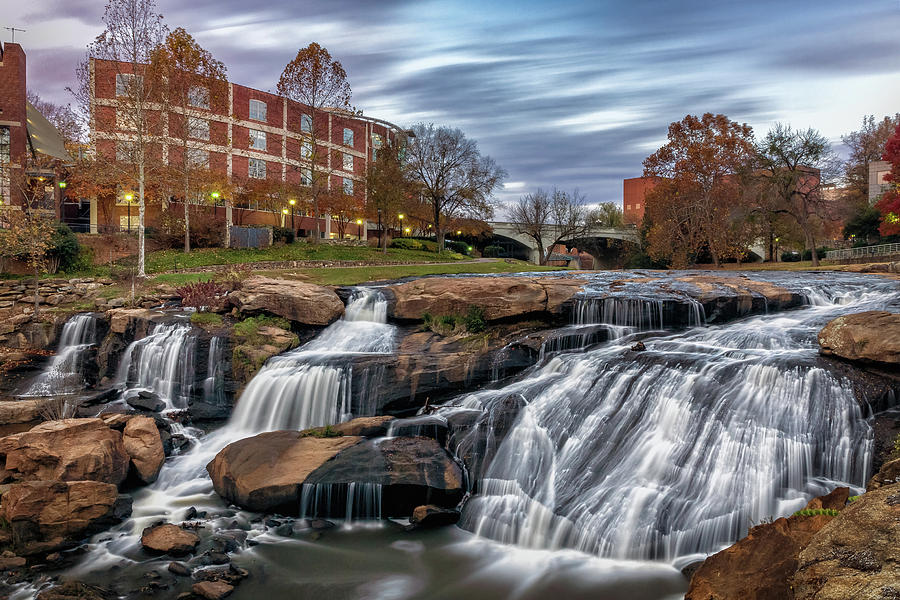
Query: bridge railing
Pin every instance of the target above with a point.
(864, 252)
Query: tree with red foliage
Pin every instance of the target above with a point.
(889, 204)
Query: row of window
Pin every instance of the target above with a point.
(636, 206)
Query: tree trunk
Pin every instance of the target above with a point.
(542, 260)
(227, 223)
(438, 232)
(187, 218)
(382, 240)
(37, 285)
(811, 244)
(315, 219)
(140, 265)
(715, 257)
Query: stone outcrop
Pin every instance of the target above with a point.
(26, 410)
(44, 516)
(888, 474)
(144, 445)
(296, 301)
(265, 472)
(67, 450)
(856, 555)
(169, 539)
(760, 566)
(361, 426)
(870, 337)
(248, 356)
(499, 297)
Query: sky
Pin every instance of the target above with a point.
(561, 94)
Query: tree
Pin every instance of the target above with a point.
(191, 80)
(389, 190)
(320, 83)
(866, 146)
(456, 180)
(549, 218)
(889, 203)
(790, 168)
(133, 30)
(694, 205)
(606, 214)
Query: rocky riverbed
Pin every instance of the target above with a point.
(418, 404)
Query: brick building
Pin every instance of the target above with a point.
(633, 203)
(248, 136)
(26, 139)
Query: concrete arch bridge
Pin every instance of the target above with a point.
(526, 246)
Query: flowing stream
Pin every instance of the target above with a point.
(617, 468)
(64, 374)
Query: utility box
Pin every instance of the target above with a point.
(251, 236)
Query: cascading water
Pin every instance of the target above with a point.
(676, 450)
(65, 373)
(163, 362)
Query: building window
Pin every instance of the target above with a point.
(125, 84)
(198, 158)
(348, 137)
(627, 207)
(377, 140)
(4, 161)
(306, 123)
(305, 176)
(306, 150)
(257, 110)
(198, 128)
(125, 121)
(198, 96)
(256, 168)
(880, 178)
(637, 207)
(348, 186)
(257, 140)
(125, 151)
(348, 162)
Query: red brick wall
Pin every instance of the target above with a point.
(633, 193)
(12, 105)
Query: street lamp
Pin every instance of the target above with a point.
(128, 199)
(358, 229)
(292, 202)
(62, 185)
(284, 211)
(407, 230)
(458, 232)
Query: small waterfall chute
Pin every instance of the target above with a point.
(65, 373)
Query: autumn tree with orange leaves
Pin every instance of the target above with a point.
(696, 204)
(190, 81)
(318, 82)
(889, 203)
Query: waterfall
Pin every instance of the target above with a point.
(353, 501)
(65, 373)
(163, 362)
(674, 451)
(313, 385)
(214, 384)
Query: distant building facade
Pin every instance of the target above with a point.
(25, 134)
(634, 204)
(877, 183)
(248, 135)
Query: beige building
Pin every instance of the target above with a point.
(877, 183)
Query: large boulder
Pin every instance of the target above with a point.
(726, 297)
(498, 297)
(66, 450)
(411, 471)
(21, 411)
(144, 445)
(294, 300)
(760, 566)
(857, 555)
(169, 539)
(888, 474)
(44, 516)
(872, 337)
(265, 472)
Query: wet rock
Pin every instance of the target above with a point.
(321, 524)
(67, 450)
(638, 347)
(177, 568)
(144, 445)
(75, 590)
(212, 590)
(265, 472)
(856, 555)
(430, 515)
(498, 297)
(294, 300)
(871, 337)
(249, 358)
(760, 566)
(44, 516)
(475, 435)
(10, 563)
(889, 474)
(361, 426)
(169, 539)
(21, 411)
(146, 400)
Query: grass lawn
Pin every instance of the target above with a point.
(356, 275)
(172, 260)
(803, 265)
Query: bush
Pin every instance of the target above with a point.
(64, 249)
(474, 320)
(492, 251)
(83, 262)
(790, 257)
(235, 275)
(407, 244)
(248, 329)
(455, 246)
(282, 234)
(820, 251)
(206, 319)
(200, 294)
